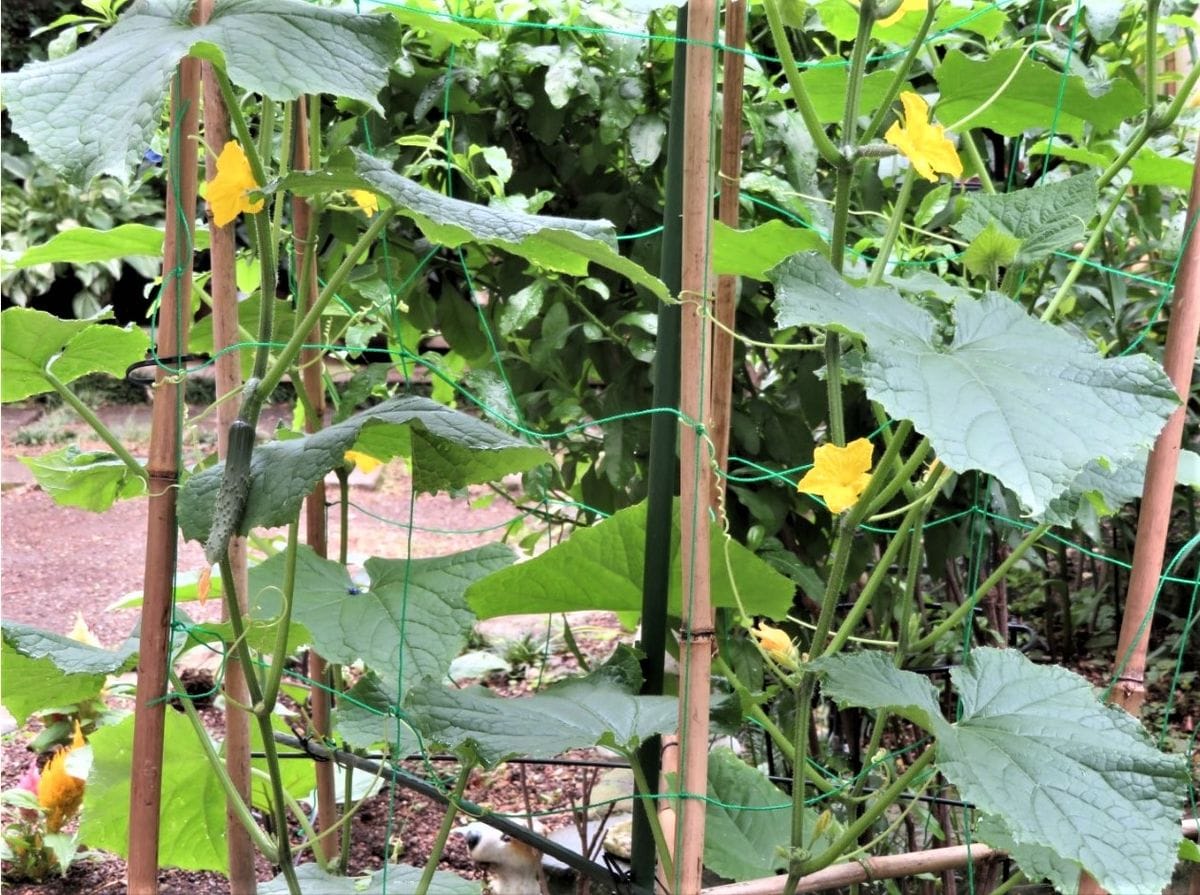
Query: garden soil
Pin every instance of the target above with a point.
(58, 562)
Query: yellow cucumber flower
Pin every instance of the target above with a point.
(925, 145)
(82, 633)
(839, 474)
(775, 643)
(229, 192)
(363, 462)
(905, 7)
(365, 200)
(59, 791)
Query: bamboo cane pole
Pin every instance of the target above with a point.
(696, 630)
(1154, 517)
(733, 70)
(315, 523)
(228, 375)
(145, 788)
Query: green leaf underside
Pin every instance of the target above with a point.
(1044, 219)
(192, 823)
(1033, 98)
(742, 844)
(94, 111)
(91, 480)
(448, 450)
(1013, 397)
(396, 878)
(29, 339)
(600, 568)
(412, 618)
(1073, 780)
(562, 244)
(570, 715)
(83, 245)
(366, 716)
(753, 252)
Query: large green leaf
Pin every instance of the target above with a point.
(1032, 98)
(1044, 219)
(573, 714)
(95, 111)
(411, 619)
(1019, 399)
(753, 252)
(448, 450)
(82, 245)
(42, 669)
(1072, 780)
(562, 244)
(191, 832)
(367, 715)
(601, 568)
(92, 480)
(748, 821)
(30, 340)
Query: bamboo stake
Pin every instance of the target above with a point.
(161, 538)
(696, 630)
(865, 870)
(730, 172)
(1158, 492)
(1155, 515)
(315, 525)
(228, 374)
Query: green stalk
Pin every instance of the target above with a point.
(900, 77)
(833, 387)
(266, 704)
(841, 216)
(858, 64)
(310, 835)
(804, 105)
(89, 417)
(238, 120)
(803, 697)
(915, 549)
(976, 160)
(879, 265)
(439, 844)
(1098, 234)
(900, 479)
(266, 129)
(660, 840)
(234, 798)
(885, 800)
(287, 137)
(287, 355)
(347, 794)
(266, 303)
(908, 528)
(279, 808)
(241, 648)
(956, 617)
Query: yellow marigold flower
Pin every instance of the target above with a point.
(925, 145)
(58, 791)
(363, 462)
(365, 200)
(906, 6)
(839, 474)
(775, 642)
(229, 192)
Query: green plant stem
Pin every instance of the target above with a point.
(976, 160)
(1097, 235)
(287, 355)
(310, 835)
(1009, 884)
(900, 76)
(803, 699)
(89, 417)
(873, 744)
(234, 798)
(900, 479)
(804, 106)
(279, 808)
(833, 387)
(287, 137)
(916, 548)
(879, 265)
(851, 833)
(660, 840)
(268, 271)
(238, 120)
(266, 704)
(1153, 124)
(237, 624)
(854, 79)
(841, 216)
(439, 843)
(347, 795)
(910, 527)
(266, 131)
(956, 617)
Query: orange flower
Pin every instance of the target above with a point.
(365, 200)
(839, 474)
(229, 192)
(59, 791)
